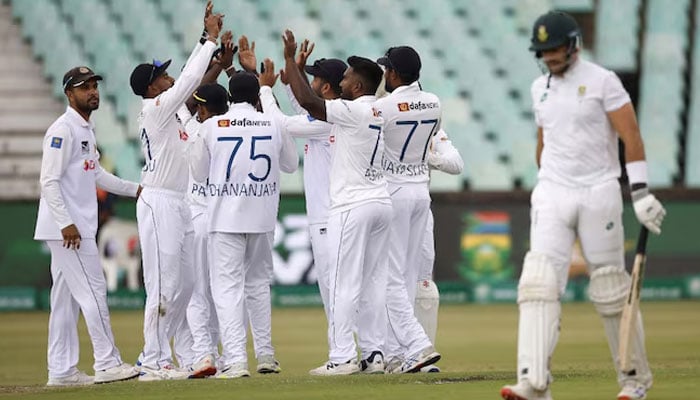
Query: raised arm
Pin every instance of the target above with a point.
(443, 155)
(315, 105)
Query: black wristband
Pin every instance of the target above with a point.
(204, 37)
(637, 186)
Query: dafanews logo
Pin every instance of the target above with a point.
(249, 122)
(417, 106)
(224, 123)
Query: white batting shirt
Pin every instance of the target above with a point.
(196, 190)
(411, 119)
(357, 138)
(580, 145)
(163, 136)
(70, 175)
(317, 154)
(242, 153)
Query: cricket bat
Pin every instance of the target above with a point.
(631, 309)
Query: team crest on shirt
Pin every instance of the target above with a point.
(88, 165)
(403, 107)
(56, 142)
(331, 138)
(84, 147)
(581, 91)
(376, 112)
(183, 135)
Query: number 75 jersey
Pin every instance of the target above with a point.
(411, 118)
(240, 155)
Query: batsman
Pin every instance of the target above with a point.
(581, 109)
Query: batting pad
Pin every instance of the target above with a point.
(426, 307)
(608, 291)
(538, 329)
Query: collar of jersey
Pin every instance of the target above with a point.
(571, 71)
(242, 106)
(413, 87)
(77, 118)
(368, 98)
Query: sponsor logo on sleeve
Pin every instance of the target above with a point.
(56, 142)
(84, 147)
(88, 165)
(224, 123)
(403, 107)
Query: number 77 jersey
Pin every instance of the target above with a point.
(411, 118)
(240, 155)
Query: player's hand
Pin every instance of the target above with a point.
(213, 26)
(246, 54)
(290, 45)
(226, 58)
(207, 12)
(267, 76)
(283, 77)
(138, 192)
(71, 237)
(305, 51)
(648, 209)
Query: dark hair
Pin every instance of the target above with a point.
(369, 72)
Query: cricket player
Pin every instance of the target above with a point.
(163, 215)
(411, 119)
(358, 224)
(241, 153)
(67, 222)
(442, 156)
(327, 74)
(580, 109)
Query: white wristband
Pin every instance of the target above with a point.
(637, 172)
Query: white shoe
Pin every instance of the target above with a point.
(415, 362)
(268, 365)
(374, 364)
(203, 368)
(393, 366)
(523, 391)
(347, 368)
(632, 391)
(235, 370)
(115, 374)
(166, 373)
(79, 378)
(428, 369)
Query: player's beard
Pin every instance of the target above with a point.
(91, 104)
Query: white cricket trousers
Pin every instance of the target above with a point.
(241, 272)
(78, 285)
(427, 253)
(166, 234)
(319, 248)
(357, 239)
(201, 313)
(405, 335)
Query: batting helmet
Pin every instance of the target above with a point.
(554, 29)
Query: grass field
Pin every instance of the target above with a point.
(477, 343)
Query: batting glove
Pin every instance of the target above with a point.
(648, 209)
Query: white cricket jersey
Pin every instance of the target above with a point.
(163, 136)
(317, 155)
(580, 145)
(411, 119)
(70, 175)
(358, 144)
(242, 153)
(443, 156)
(196, 190)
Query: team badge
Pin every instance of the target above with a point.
(224, 123)
(403, 107)
(542, 34)
(581, 91)
(183, 135)
(56, 142)
(85, 147)
(84, 70)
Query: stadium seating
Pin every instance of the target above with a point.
(475, 57)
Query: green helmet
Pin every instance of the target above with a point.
(554, 29)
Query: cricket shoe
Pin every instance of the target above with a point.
(524, 391)
(121, 372)
(268, 365)
(374, 364)
(423, 358)
(203, 368)
(393, 366)
(632, 390)
(78, 378)
(233, 371)
(330, 368)
(166, 373)
(430, 369)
